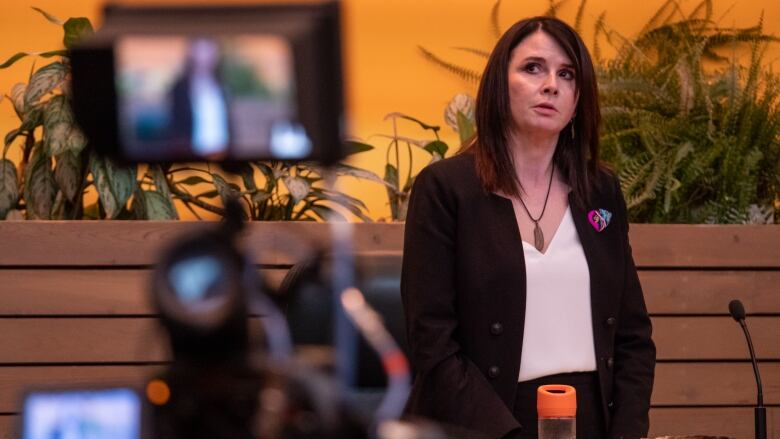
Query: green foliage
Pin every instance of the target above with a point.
(692, 129)
(694, 134)
(399, 175)
(58, 166)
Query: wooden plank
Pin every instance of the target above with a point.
(85, 340)
(709, 292)
(63, 292)
(85, 291)
(692, 384)
(714, 338)
(113, 243)
(9, 426)
(139, 242)
(74, 340)
(14, 381)
(682, 245)
(733, 422)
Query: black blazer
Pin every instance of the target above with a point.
(463, 288)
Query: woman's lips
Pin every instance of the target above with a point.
(545, 109)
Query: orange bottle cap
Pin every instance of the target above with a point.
(556, 401)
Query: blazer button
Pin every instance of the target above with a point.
(494, 372)
(611, 405)
(611, 321)
(496, 328)
(610, 362)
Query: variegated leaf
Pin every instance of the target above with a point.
(76, 140)
(58, 208)
(57, 125)
(160, 182)
(9, 191)
(114, 184)
(298, 187)
(42, 82)
(460, 103)
(39, 185)
(67, 173)
(17, 97)
(158, 207)
(343, 169)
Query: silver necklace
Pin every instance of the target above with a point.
(538, 235)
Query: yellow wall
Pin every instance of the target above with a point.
(384, 69)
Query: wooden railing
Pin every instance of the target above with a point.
(74, 309)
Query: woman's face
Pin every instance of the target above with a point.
(542, 83)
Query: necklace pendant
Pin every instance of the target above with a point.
(538, 237)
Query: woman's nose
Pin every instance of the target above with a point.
(550, 86)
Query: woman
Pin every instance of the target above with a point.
(492, 313)
(199, 108)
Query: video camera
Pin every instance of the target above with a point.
(226, 84)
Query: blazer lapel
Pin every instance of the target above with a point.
(602, 250)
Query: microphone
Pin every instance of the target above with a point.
(737, 311)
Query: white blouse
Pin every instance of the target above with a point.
(558, 335)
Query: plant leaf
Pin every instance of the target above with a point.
(58, 127)
(327, 213)
(391, 177)
(226, 191)
(437, 147)
(343, 169)
(161, 182)
(494, 26)
(114, 184)
(422, 124)
(19, 55)
(43, 81)
(15, 57)
(76, 28)
(17, 97)
(298, 187)
(158, 207)
(48, 16)
(193, 180)
(462, 72)
(355, 147)
(39, 185)
(260, 196)
(9, 138)
(67, 174)
(9, 191)
(247, 173)
(208, 194)
(466, 128)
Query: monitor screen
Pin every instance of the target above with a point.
(82, 414)
(208, 97)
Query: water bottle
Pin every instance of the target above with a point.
(556, 406)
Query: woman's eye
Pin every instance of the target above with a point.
(532, 68)
(567, 74)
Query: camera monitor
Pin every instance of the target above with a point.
(109, 413)
(222, 83)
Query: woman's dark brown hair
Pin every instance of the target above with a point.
(576, 158)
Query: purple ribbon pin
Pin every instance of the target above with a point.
(599, 219)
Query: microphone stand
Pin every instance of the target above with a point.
(760, 410)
